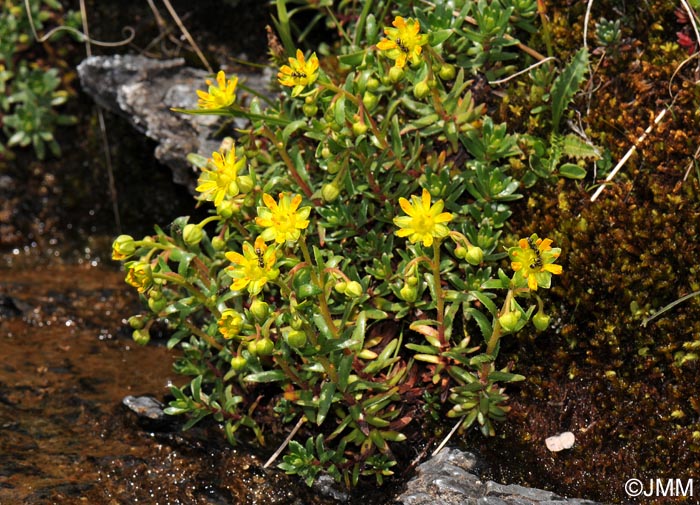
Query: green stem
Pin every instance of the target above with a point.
(177, 279)
(497, 329)
(288, 161)
(435, 265)
(210, 340)
(322, 303)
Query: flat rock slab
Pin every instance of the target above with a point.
(449, 479)
(144, 90)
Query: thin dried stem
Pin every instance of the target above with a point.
(448, 437)
(627, 155)
(534, 65)
(586, 18)
(187, 35)
(289, 438)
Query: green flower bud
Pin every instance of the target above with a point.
(226, 209)
(353, 289)
(245, 183)
(509, 320)
(325, 153)
(333, 167)
(541, 321)
(141, 337)
(341, 286)
(264, 347)
(370, 100)
(359, 128)
(421, 90)
(218, 243)
(252, 347)
(372, 84)
(157, 304)
(330, 191)
(447, 72)
(408, 293)
(396, 74)
(310, 109)
(192, 234)
(260, 310)
(137, 322)
(296, 338)
(238, 363)
(475, 255)
(460, 252)
(412, 280)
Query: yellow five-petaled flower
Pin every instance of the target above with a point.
(299, 73)
(404, 41)
(423, 222)
(254, 268)
(532, 261)
(282, 221)
(218, 97)
(223, 180)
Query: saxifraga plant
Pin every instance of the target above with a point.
(352, 265)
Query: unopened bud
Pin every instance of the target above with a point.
(447, 72)
(192, 234)
(353, 289)
(296, 338)
(330, 191)
(238, 363)
(409, 293)
(541, 321)
(509, 320)
(359, 128)
(218, 243)
(396, 74)
(264, 347)
(475, 255)
(245, 183)
(421, 89)
(260, 310)
(141, 337)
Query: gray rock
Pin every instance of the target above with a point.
(450, 479)
(144, 90)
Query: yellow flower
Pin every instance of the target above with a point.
(139, 275)
(299, 73)
(218, 97)
(230, 323)
(253, 268)
(282, 221)
(223, 180)
(532, 261)
(404, 41)
(423, 222)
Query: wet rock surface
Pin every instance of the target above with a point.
(450, 478)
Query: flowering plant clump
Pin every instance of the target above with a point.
(370, 294)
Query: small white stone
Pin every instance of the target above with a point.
(560, 442)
